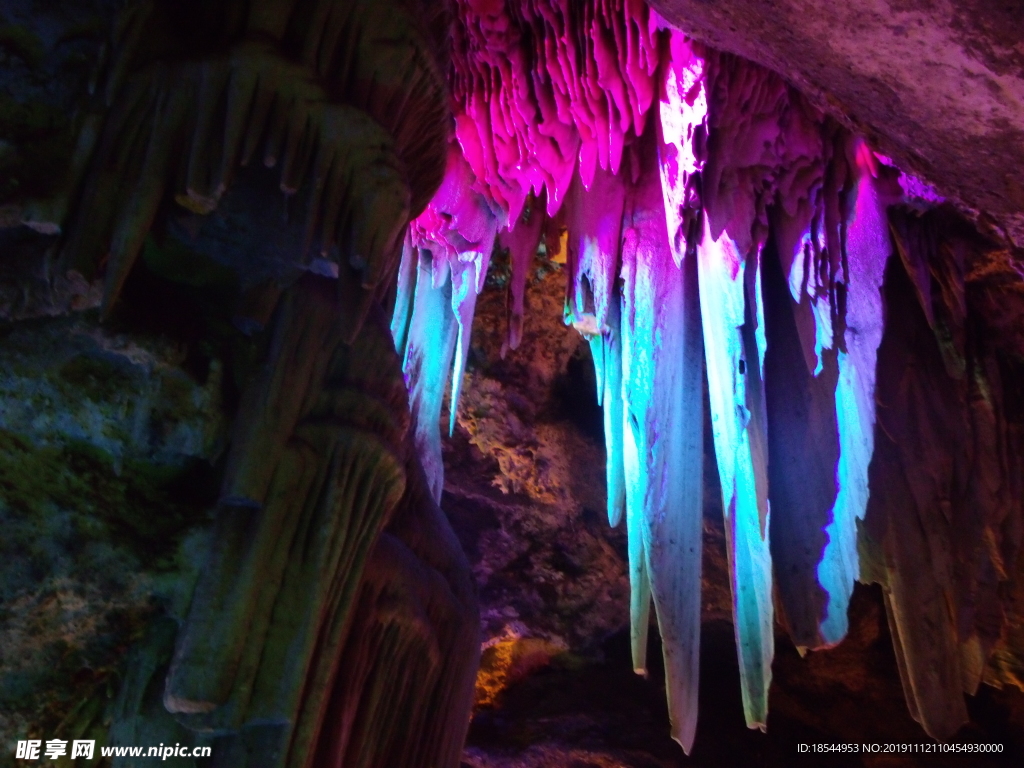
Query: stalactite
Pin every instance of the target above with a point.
(454, 238)
(866, 250)
(595, 222)
(663, 415)
(744, 106)
(738, 427)
(429, 345)
(608, 349)
(522, 240)
(775, 229)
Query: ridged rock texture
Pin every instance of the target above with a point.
(715, 223)
(333, 619)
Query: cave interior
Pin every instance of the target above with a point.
(512, 383)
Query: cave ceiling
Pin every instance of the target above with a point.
(938, 85)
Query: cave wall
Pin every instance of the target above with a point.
(220, 530)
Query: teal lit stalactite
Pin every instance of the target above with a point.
(738, 426)
(429, 333)
(867, 247)
(664, 399)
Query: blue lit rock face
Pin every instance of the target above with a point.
(129, 397)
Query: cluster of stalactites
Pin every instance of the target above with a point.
(546, 99)
(713, 219)
(548, 88)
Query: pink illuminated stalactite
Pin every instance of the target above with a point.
(682, 131)
(587, 93)
(522, 241)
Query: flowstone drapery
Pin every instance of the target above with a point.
(333, 620)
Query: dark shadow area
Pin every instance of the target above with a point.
(575, 395)
(848, 695)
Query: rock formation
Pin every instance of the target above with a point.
(331, 597)
(238, 197)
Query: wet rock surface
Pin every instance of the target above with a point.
(602, 715)
(108, 464)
